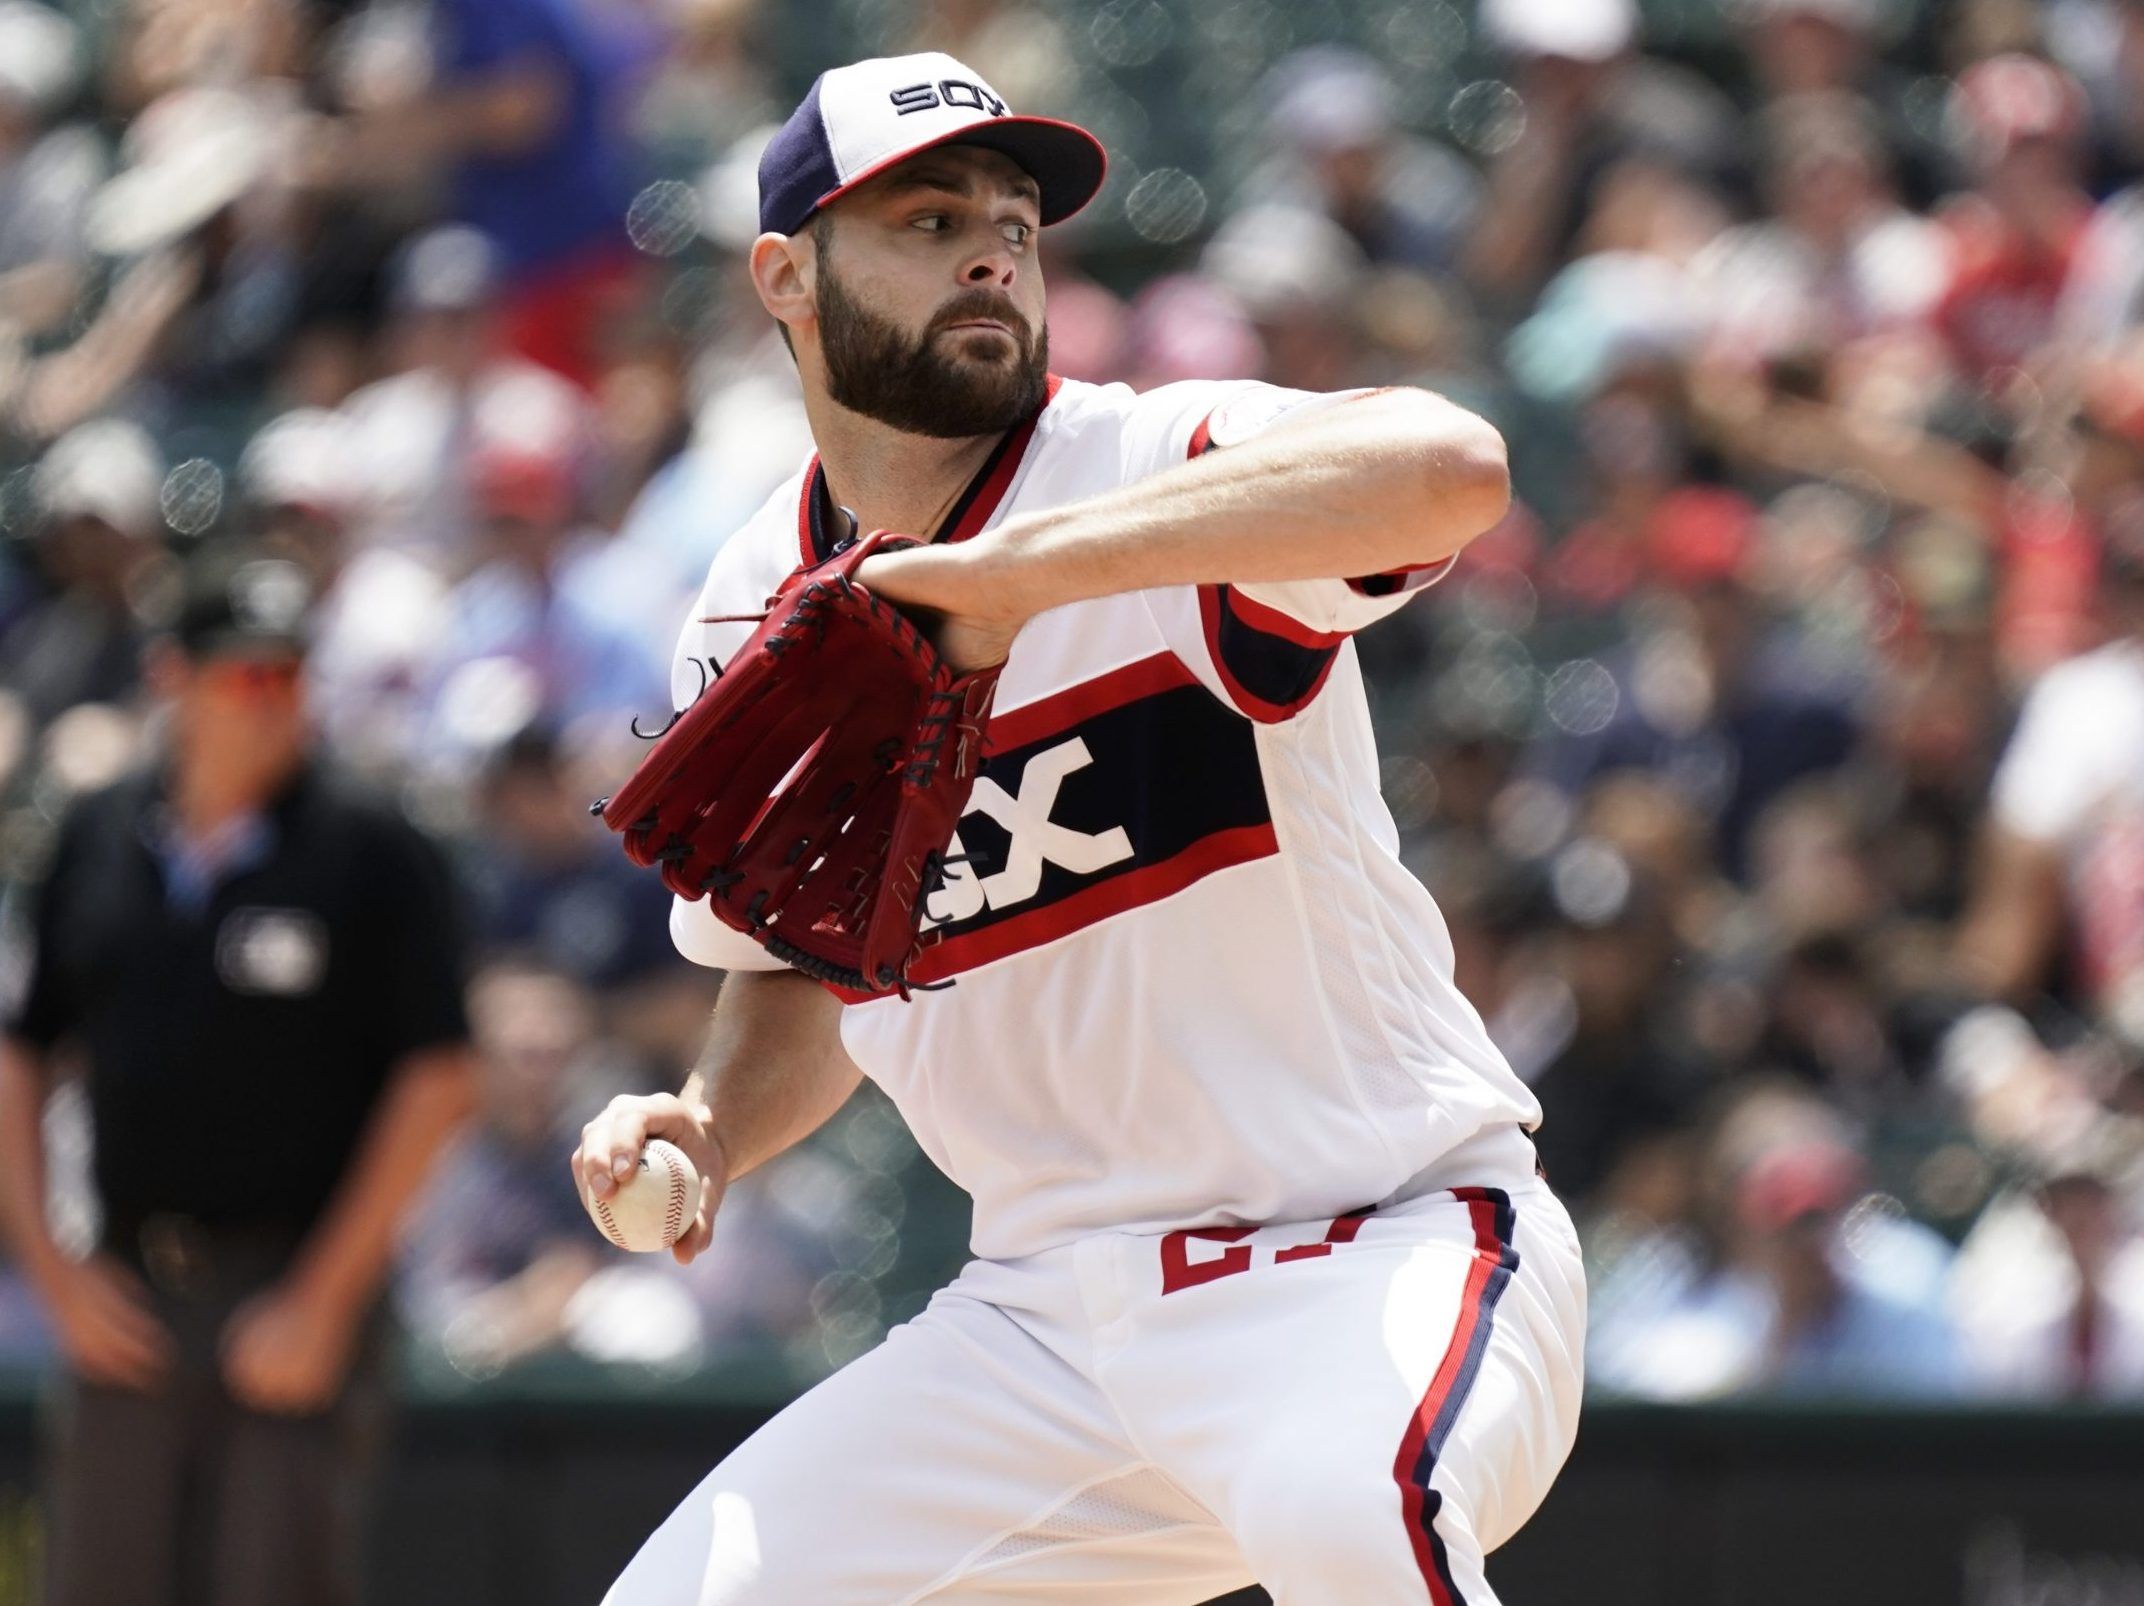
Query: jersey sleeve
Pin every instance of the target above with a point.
(744, 574)
(1266, 646)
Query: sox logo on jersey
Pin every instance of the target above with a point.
(1036, 839)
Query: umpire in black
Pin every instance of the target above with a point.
(257, 973)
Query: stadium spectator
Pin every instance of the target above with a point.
(1298, 275)
(75, 636)
(1602, 1048)
(1832, 1313)
(451, 386)
(381, 607)
(1588, 102)
(2014, 236)
(502, 1245)
(747, 409)
(48, 170)
(1340, 152)
(160, 46)
(526, 113)
(2065, 1319)
(710, 88)
(2063, 868)
(1835, 258)
(1837, 48)
(1731, 705)
(548, 881)
(1785, 1277)
(202, 200)
(545, 628)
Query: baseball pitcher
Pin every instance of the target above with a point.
(1266, 1285)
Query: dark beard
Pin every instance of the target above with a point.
(873, 368)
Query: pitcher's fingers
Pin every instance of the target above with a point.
(584, 1168)
(611, 1145)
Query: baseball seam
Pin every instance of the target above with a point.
(674, 1217)
(609, 1224)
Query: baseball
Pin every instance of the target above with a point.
(654, 1203)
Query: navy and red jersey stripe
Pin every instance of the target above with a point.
(1271, 663)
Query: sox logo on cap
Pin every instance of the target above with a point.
(859, 120)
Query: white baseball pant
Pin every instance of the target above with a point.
(1350, 1412)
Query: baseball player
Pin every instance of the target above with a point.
(1265, 1283)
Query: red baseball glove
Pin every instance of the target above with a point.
(809, 792)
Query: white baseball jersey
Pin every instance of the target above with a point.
(1193, 983)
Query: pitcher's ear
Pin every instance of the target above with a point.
(785, 273)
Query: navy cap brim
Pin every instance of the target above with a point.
(1066, 162)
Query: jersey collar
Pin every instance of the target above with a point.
(820, 526)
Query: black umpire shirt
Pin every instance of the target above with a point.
(237, 1034)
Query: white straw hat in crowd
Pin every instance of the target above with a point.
(187, 157)
(40, 56)
(106, 469)
(302, 459)
(1329, 98)
(1277, 258)
(1578, 30)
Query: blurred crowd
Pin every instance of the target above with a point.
(1778, 762)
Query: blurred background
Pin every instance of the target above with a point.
(1778, 762)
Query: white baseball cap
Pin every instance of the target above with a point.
(302, 459)
(40, 55)
(106, 469)
(857, 121)
(1579, 30)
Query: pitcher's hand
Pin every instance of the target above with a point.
(610, 1149)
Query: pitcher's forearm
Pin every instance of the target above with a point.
(1396, 479)
(774, 1070)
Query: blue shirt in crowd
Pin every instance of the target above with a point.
(546, 205)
